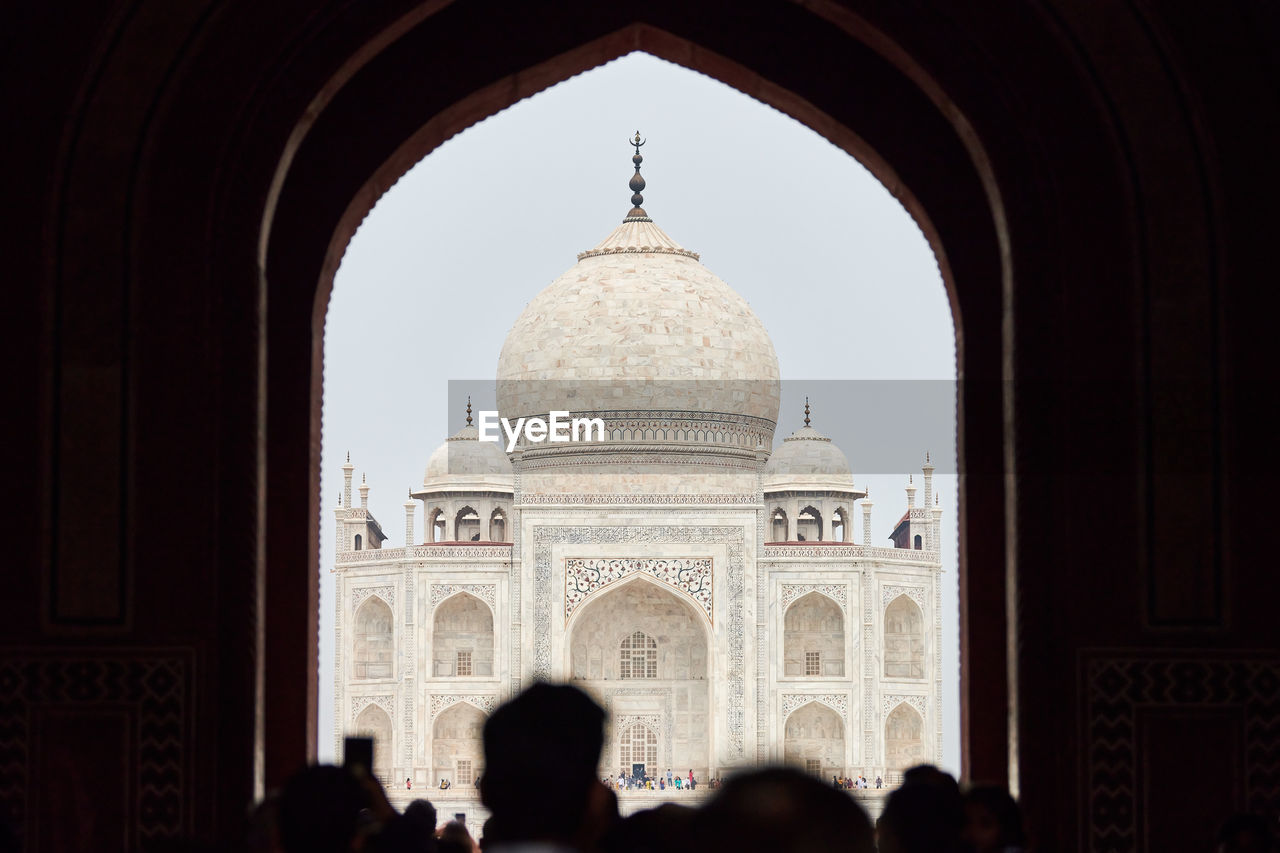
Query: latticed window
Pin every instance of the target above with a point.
(813, 766)
(462, 775)
(464, 663)
(639, 745)
(813, 663)
(639, 657)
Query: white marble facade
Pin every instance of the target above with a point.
(707, 591)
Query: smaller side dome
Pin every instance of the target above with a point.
(464, 460)
(807, 460)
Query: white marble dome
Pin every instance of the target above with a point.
(638, 324)
(807, 459)
(464, 459)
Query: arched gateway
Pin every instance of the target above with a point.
(702, 590)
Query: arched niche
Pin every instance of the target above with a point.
(635, 612)
(903, 639)
(778, 526)
(498, 526)
(813, 638)
(903, 738)
(437, 524)
(457, 744)
(462, 638)
(813, 740)
(809, 525)
(840, 525)
(376, 723)
(373, 653)
(466, 525)
(638, 744)
(606, 618)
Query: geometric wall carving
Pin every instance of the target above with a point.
(839, 702)
(691, 575)
(485, 702)
(386, 593)
(486, 592)
(150, 687)
(1118, 689)
(889, 593)
(837, 591)
(892, 700)
(385, 701)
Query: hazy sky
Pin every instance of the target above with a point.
(832, 264)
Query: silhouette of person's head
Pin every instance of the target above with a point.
(781, 810)
(993, 821)
(454, 838)
(1245, 833)
(541, 750)
(414, 831)
(320, 810)
(924, 815)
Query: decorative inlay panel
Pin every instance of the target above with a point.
(837, 591)
(691, 575)
(386, 592)
(486, 592)
(151, 686)
(734, 608)
(385, 701)
(889, 593)
(892, 700)
(484, 701)
(1117, 688)
(838, 702)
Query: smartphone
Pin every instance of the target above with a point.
(358, 752)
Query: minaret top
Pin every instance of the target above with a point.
(637, 183)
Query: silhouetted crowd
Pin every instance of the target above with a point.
(554, 734)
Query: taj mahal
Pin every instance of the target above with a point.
(701, 583)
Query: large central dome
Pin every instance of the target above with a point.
(638, 324)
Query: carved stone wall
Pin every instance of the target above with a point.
(148, 692)
(1238, 698)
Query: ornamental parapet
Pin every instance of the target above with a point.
(842, 550)
(447, 551)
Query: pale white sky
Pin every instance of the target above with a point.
(832, 264)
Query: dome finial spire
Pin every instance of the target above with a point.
(806, 411)
(468, 410)
(637, 182)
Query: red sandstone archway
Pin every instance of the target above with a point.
(186, 169)
(386, 146)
